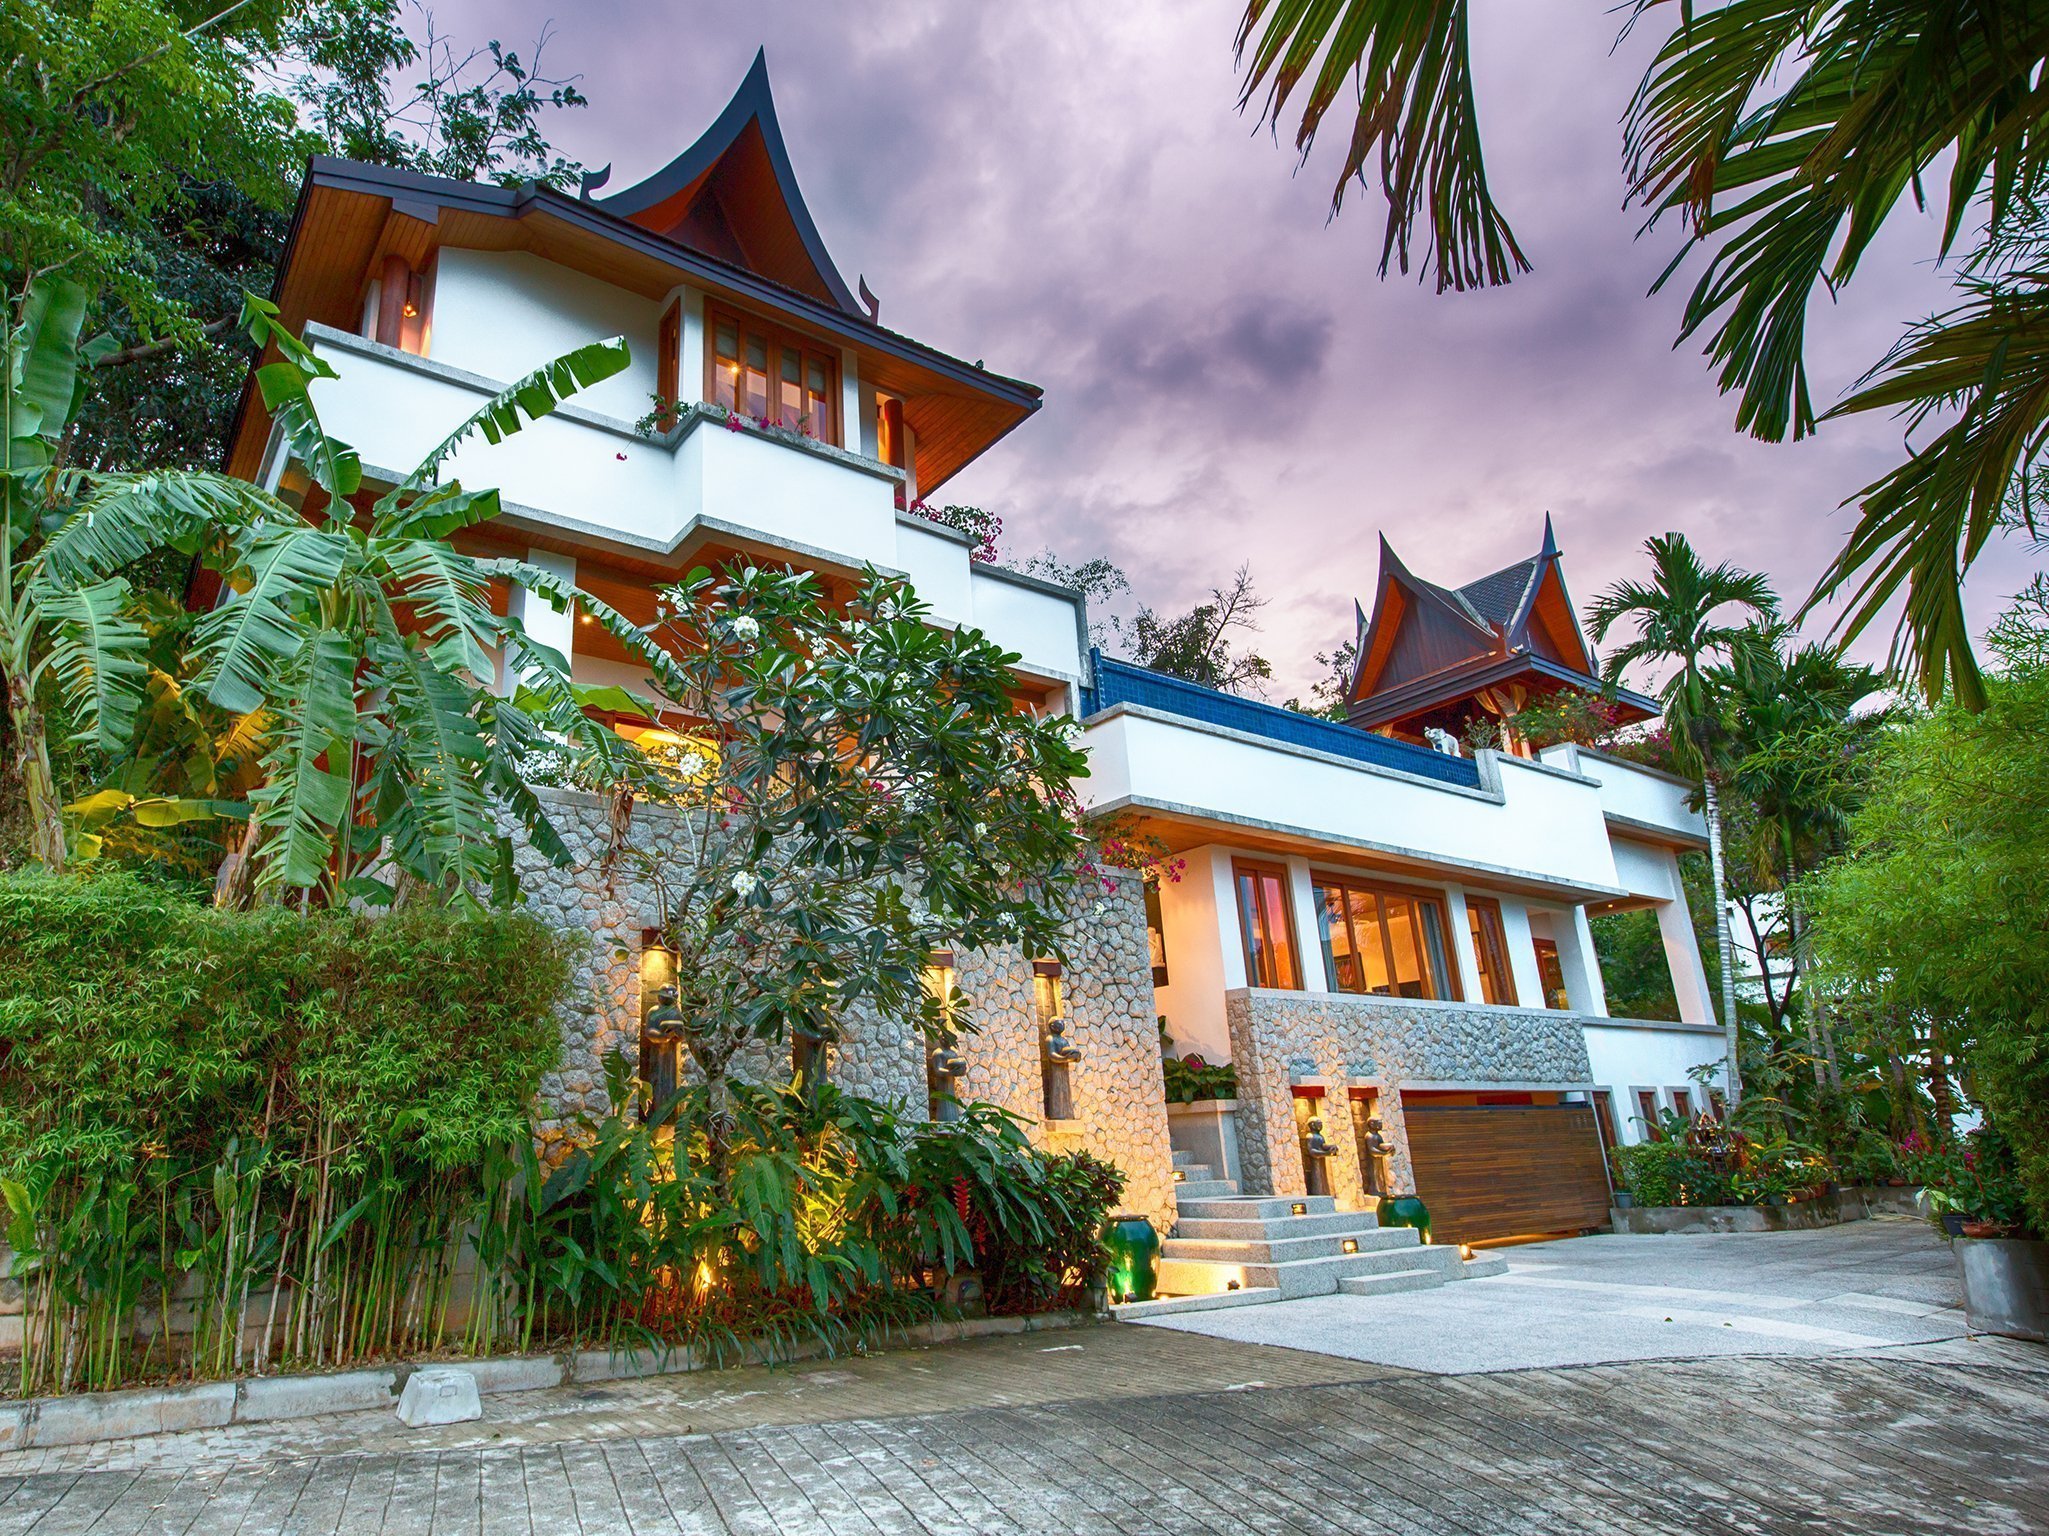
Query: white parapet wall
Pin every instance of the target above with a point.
(591, 478)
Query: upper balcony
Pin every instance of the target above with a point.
(1200, 766)
(1639, 803)
(586, 483)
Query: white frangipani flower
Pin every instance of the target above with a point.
(745, 884)
(746, 628)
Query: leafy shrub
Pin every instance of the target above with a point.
(1190, 1078)
(1976, 1177)
(750, 1215)
(216, 1106)
(1677, 1171)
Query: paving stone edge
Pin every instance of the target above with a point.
(81, 1418)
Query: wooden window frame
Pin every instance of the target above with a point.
(1381, 892)
(1490, 908)
(777, 340)
(1256, 870)
(669, 366)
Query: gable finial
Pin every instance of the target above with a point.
(590, 181)
(873, 304)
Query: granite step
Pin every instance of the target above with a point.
(1185, 1173)
(1297, 1278)
(1203, 1189)
(1165, 1306)
(1284, 1246)
(1183, 1159)
(1254, 1230)
(1390, 1282)
(1254, 1207)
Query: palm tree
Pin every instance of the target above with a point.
(1781, 138)
(1675, 618)
(1793, 742)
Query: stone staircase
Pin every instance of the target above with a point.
(1279, 1248)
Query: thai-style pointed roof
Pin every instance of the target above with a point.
(1427, 648)
(733, 194)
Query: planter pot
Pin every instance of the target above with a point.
(1405, 1211)
(1624, 1200)
(2006, 1286)
(1134, 1258)
(1983, 1229)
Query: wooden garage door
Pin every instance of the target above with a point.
(1507, 1170)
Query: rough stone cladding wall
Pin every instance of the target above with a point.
(1120, 1098)
(1280, 1038)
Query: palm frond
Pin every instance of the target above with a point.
(447, 591)
(1788, 134)
(1921, 526)
(1409, 64)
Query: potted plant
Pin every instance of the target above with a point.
(1973, 1189)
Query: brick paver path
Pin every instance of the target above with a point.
(1136, 1431)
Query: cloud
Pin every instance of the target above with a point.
(1067, 190)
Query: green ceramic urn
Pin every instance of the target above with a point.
(1405, 1211)
(1134, 1257)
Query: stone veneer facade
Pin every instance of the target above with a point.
(1341, 1042)
(1119, 1095)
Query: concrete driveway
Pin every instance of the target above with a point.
(1861, 1287)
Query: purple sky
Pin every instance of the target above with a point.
(1067, 191)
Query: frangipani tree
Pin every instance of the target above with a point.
(369, 644)
(866, 790)
(1680, 619)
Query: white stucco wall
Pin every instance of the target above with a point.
(1632, 792)
(1628, 1057)
(597, 480)
(1542, 823)
(504, 313)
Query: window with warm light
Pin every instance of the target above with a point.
(772, 375)
(1490, 950)
(1383, 941)
(1266, 920)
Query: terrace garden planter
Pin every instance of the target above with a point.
(2006, 1286)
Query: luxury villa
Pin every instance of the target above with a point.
(1384, 931)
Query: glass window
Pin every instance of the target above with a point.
(1263, 917)
(790, 399)
(769, 374)
(818, 399)
(1384, 943)
(725, 378)
(1490, 950)
(754, 377)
